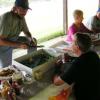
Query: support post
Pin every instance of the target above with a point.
(65, 16)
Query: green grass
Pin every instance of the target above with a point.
(50, 36)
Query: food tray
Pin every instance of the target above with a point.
(8, 75)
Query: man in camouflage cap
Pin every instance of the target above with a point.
(12, 23)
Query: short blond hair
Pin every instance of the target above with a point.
(77, 12)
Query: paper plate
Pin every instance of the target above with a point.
(7, 72)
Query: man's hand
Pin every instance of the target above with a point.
(23, 46)
(33, 42)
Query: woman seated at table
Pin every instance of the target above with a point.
(77, 26)
(84, 72)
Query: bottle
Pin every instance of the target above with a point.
(63, 95)
(16, 87)
(11, 94)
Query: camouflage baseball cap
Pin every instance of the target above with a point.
(22, 3)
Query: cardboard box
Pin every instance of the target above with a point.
(39, 71)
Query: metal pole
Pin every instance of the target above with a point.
(65, 16)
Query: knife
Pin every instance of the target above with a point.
(37, 46)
